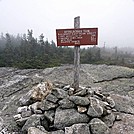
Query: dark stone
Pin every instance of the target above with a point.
(95, 109)
(50, 115)
(21, 121)
(82, 92)
(109, 119)
(68, 117)
(59, 93)
(57, 132)
(98, 127)
(52, 98)
(32, 121)
(26, 114)
(66, 103)
(47, 105)
(81, 128)
(82, 101)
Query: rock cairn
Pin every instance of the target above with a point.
(58, 109)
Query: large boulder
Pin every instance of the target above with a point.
(68, 117)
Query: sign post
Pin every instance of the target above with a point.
(76, 57)
(77, 37)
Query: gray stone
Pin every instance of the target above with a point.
(1, 123)
(17, 116)
(123, 103)
(98, 127)
(35, 106)
(34, 130)
(38, 112)
(26, 113)
(82, 92)
(131, 93)
(21, 121)
(26, 99)
(90, 92)
(106, 108)
(47, 105)
(110, 102)
(57, 132)
(66, 103)
(59, 93)
(81, 128)
(125, 125)
(22, 109)
(118, 117)
(82, 101)
(52, 98)
(66, 87)
(71, 91)
(67, 117)
(32, 121)
(100, 95)
(95, 109)
(42, 129)
(109, 119)
(49, 115)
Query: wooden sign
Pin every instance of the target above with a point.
(77, 37)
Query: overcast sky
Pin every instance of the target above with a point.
(114, 18)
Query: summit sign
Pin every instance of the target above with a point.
(77, 37)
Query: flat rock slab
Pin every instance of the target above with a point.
(123, 103)
(125, 126)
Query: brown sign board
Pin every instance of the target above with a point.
(77, 37)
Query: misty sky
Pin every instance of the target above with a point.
(114, 18)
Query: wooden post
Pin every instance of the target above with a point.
(76, 57)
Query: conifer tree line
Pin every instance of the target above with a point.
(28, 52)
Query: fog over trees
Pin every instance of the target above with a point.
(26, 51)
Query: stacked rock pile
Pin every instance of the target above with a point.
(58, 109)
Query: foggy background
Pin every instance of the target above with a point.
(114, 18)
